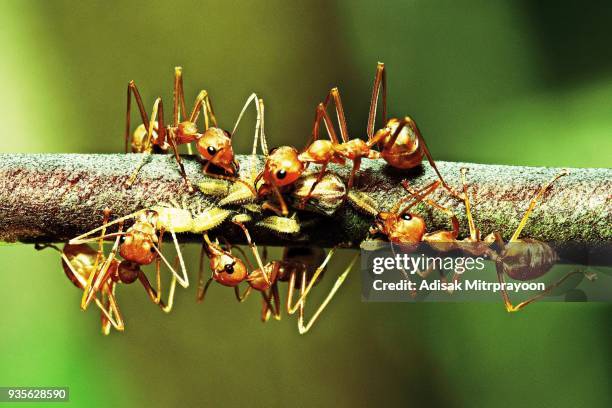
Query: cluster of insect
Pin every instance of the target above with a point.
(271, 196)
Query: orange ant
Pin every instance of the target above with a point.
(139, 245)
(214, 145)
(403, 146)
(229, 270)
(84, 267)
(79, 263)
(521, 259)
(403, 227)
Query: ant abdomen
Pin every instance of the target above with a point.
(527, 259)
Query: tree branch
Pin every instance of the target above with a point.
(46, 197)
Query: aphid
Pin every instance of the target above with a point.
(140, 244)
(325, 197)
(281, 225)
(214, 145)
(521, 259)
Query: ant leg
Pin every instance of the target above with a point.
(133, 90)
(173, 145)
(380, 78)
(303, 328)
(100, 253)
(202, 292)
(202, 288)
(183, 283)
(254, 250)
(151, 292)
(417, 197)
(315, 276)
(321, 114)
(178, 97)
(533, 203)
(241, 297)
(447, 211)
(81, 238)
(101, 275)
(474, 233)
(184, 279)
(356, 165)
(270, 304)
(283, 211)
(334, 94)
(322, 173)
(543, 293)
(201, 273)
(259, 135)
(168, 307)
(113, 308)
(203, 101)
(147, 145)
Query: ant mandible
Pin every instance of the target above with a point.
(214, 145)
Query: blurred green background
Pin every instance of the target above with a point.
(490, 82)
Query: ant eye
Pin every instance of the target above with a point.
(152, 249)
(406, 217)
(122, 239)
(211, 150)
(229, 268)
(281, 174)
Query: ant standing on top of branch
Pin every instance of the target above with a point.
(214, 145)
(403, 146)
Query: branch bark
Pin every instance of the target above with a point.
(46, 197)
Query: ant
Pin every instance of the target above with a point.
(403, 227)
(229, 270)
(403, 145)
(79, 263)
(84, 267)
(522, 259)
(140, 245)
(214, 145)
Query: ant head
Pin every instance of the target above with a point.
(128, 271)
(283, 167)
(403, 227)
(215, 145)
(138, 247)
(228, 270)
